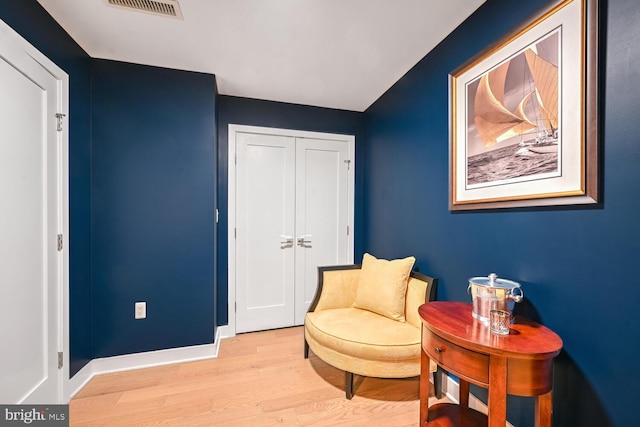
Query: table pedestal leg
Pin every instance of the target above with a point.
(463, 394)
(424, 387)
(543, 410)
(497, 391)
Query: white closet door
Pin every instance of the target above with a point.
(265, 209)
(321, 214)
(31, 217)
(291, 202)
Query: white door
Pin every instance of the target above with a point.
(291, 213)
(321, 214)
(264, 231)
(31, 216)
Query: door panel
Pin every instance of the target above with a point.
(265, 213)
(30, 218)
(321, 214)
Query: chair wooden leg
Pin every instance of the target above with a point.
(437, 383)
(348, 385)
(306, 349)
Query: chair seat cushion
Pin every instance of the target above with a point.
(363, 334)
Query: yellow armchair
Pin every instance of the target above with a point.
(360, 341)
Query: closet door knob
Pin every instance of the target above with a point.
(303, 242)
(286, 241)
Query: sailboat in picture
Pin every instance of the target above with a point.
(533, 116)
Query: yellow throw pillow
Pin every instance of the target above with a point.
(383, 286)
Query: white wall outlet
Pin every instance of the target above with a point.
(141, 310)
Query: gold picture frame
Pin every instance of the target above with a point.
(524, 115)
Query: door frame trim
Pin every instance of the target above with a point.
(231, 198)
(63, 201)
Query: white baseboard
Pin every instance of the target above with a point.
(78, 381)
(147, 359)
(451, 389)
(225, 332)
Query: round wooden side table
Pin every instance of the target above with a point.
(520, 363)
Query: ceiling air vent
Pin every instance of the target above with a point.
(169, 8)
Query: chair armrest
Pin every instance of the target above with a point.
(337, 286)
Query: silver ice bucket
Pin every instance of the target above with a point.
(491, 293)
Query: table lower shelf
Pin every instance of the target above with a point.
(452, 415)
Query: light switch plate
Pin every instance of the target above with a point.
(141, 310)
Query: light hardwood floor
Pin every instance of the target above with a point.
(258, 379)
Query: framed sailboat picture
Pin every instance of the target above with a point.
(523, 115)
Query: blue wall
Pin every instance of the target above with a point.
(244, 111)
(577, 266)
(153, 172)
(33, 23)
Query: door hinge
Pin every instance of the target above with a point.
(235, 233)
(347, 230)
(60, 240)
(235, 159)
(348, 162)
(60, 359)
(60, 117)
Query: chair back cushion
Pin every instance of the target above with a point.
(337, 287)
(416, 296)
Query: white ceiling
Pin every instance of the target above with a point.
(330, 53)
